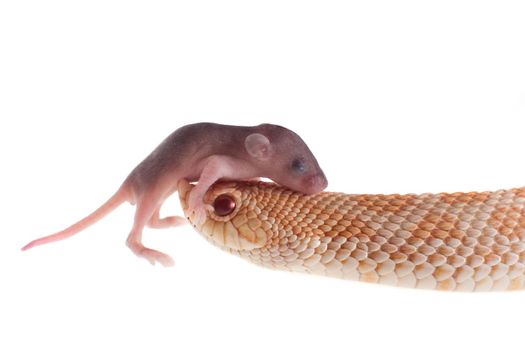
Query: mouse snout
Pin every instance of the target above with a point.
(315, 183)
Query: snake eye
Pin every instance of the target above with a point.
(224, 205)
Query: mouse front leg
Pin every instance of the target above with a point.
(215, 168)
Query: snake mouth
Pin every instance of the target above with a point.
(184, 188)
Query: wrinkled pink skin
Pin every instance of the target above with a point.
(205, 152)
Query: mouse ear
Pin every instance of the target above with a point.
(258, 146)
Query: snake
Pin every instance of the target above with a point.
(463, 241)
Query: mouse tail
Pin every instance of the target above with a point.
(111, 204)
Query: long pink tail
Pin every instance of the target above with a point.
(117, 199)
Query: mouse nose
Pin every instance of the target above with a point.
(315, 183)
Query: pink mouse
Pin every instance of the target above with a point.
(204, 152)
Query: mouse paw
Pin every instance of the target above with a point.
(197, 208)
(199, 213)
(152, 255)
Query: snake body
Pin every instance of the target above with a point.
(448, 241)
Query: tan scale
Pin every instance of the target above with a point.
(448, 241)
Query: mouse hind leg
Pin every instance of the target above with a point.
(147, 211)
(170, 221)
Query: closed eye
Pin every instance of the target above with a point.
(298, 165)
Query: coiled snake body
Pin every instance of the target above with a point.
(457, 241)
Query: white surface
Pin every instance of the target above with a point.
(392, 96)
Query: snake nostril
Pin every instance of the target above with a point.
(224, 205)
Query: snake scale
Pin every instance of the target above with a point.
(448, 241)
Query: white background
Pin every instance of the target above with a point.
(391, 96)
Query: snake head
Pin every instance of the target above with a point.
(235, 221)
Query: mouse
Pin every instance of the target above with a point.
(203, 153)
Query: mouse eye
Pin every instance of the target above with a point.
(298, 165)
(224, 205)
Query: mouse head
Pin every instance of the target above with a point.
(282, 156)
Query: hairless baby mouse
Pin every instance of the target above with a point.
(204, 152)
